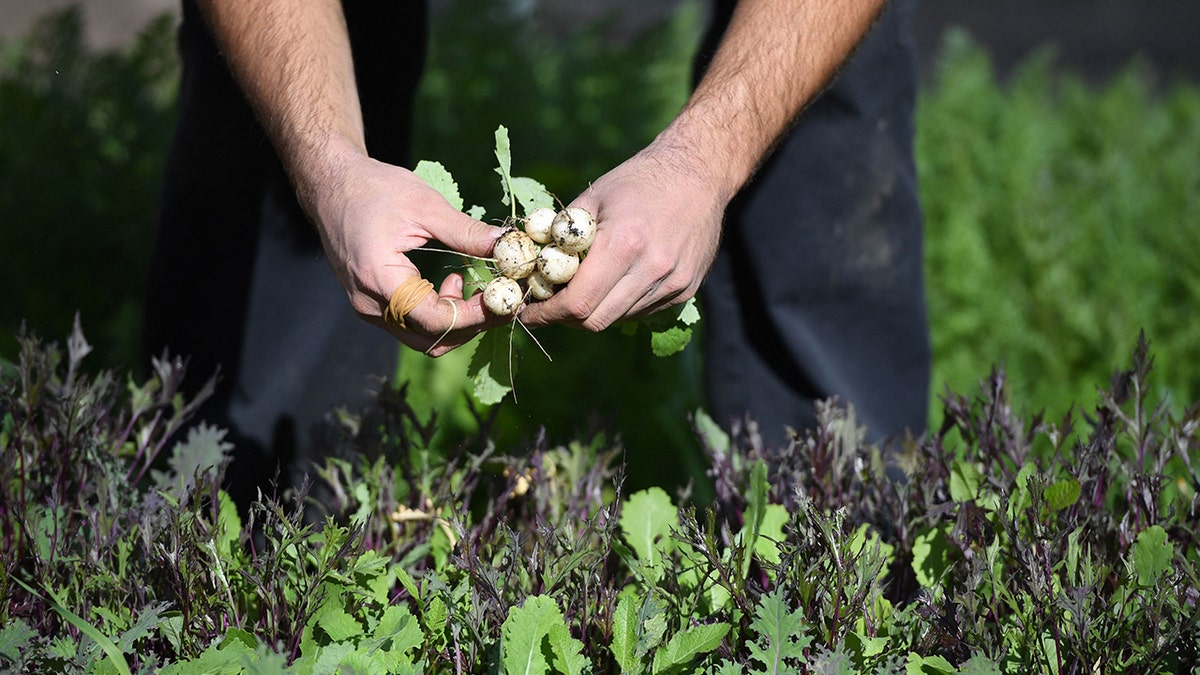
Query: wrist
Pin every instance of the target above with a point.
(320, 174)
(721, 159)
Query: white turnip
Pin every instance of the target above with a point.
(573, 229)
(516, 254)
(502, 296)
(556, 265)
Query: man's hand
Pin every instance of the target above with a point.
(292, 58)
(659, 226)
(371, 215)
(660, 212)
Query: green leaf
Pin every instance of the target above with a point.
(646, 521)
(781, 638)
(229, 527)
(711, 433)
(489, 367)
(625, 634)
(756, 504)
(523, 634)
(504, 157)
(115, 657)
(204, 450)
(687, 644)
(979, 665)
(15, 638)
(670, 341)
(438, 178)
(928, 665)
(965, 480)
(333, 618)
(1152, 555)
(531, 194)
(689, 312)
(931, 556)
(865, 539)
(766, 547)
(568, 651)
(1062, 494)
(398, 629)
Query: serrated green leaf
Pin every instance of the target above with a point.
(15, 638)
(625, 634)
(489, 367)
(437, 177)
(523, 633)
(531, 194)
(332, 618)
(781, 636)
(646, 521)
(1062, 493)
(398, 628)
(1152, 554)
(652, 627)
(567, 651)
(687, 644)
(199, 455)
(670, 341)
(689, 312)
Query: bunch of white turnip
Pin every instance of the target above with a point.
(534, 261)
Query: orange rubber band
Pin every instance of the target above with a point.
(405, 299)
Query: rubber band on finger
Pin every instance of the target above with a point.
(405, 299)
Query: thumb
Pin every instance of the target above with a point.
(464, 234)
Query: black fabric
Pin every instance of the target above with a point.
(818, 289)
(238, 280)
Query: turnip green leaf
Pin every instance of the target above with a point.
(438, 178)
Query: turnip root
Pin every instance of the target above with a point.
(516, 254)
(502, 296)
(539, 287)
(556, 265)
(573, 229)
(537, 224)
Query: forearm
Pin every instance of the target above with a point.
(775, 58)
(292, 59)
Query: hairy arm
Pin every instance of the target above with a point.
(660, 212)
(293, 61)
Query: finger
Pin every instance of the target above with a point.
(464, 234)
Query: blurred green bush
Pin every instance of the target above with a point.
(1062, 217)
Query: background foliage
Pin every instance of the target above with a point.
(1062, 217)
